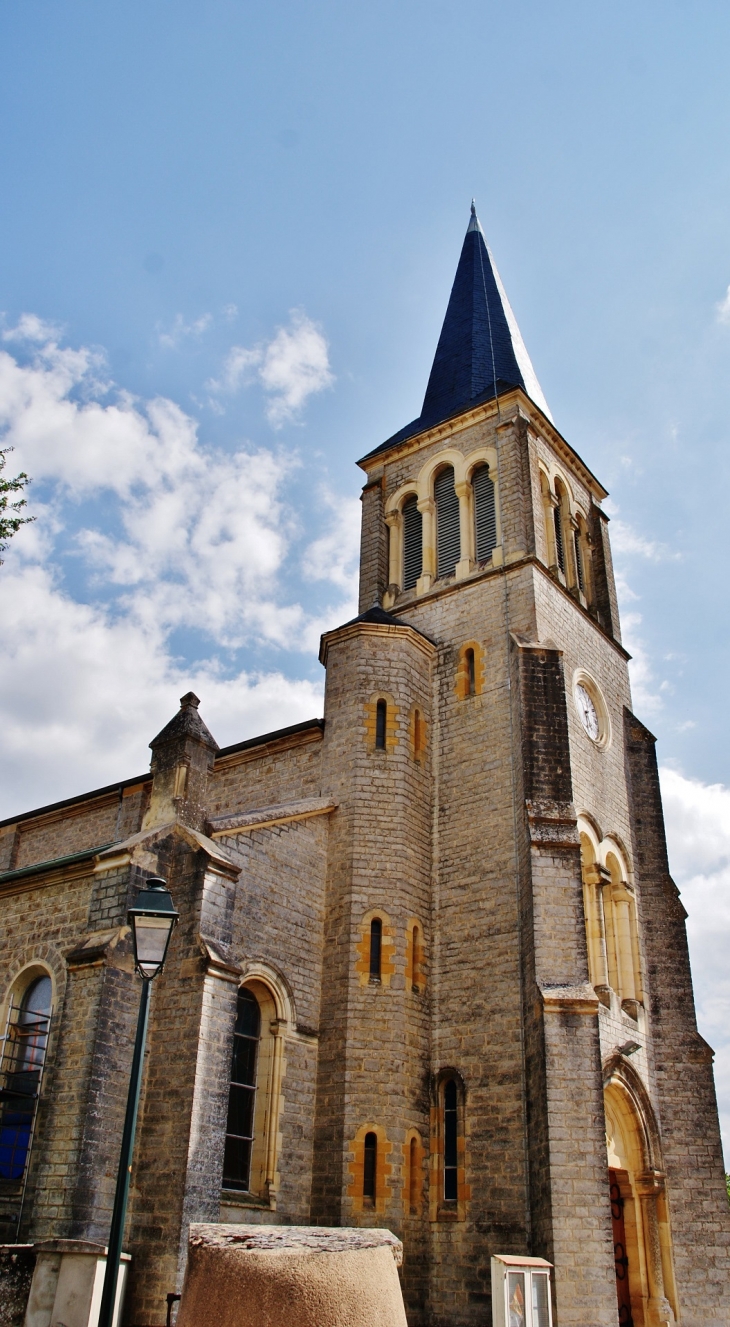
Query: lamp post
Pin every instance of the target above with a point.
(152, 919)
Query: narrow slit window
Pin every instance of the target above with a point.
(451, 1134)
(412, 543)
(370, 1167)
(413, 1175)
(415, 959)
(471, 677)
(579, 561)
(559, 550)
(376, 948)
(448, 540)
(485, 513)
(381, 716)
(242, 1095)
(417, 733)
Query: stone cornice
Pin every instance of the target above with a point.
(353, 629)
(245, 822)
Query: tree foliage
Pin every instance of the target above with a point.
(10, 520)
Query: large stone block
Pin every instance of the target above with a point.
(259, 1276)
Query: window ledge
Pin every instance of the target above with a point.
(237, 1198)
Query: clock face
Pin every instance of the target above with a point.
(588, 713)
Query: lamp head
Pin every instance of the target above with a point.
(152, 918)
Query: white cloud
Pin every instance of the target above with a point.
(335, 555)
(645, 688)
(291, 367)
(187, 538)
(625, 542)
(30, 327)
(698, 832)
(722, 309)
(182, 330)
(83, 692)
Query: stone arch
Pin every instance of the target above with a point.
(275, 1014)
(640, 1212)
(441, 1207)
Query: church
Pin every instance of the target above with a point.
(431, 971)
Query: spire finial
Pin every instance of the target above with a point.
(473, 220)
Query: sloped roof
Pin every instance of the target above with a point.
(480, 353)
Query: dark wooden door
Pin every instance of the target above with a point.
(620, 1256)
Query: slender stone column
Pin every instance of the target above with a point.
(624, 949)
(278, 1028)
(648, 1188)
(596, 928)
(427, 508)
(466, 530)
(394, 522)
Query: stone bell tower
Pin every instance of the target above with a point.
(510, 808)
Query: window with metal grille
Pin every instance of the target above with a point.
(381, 715)
(21, 1073)
(242, 1096)
(578, 561)
(412, 543)
(370, 1169)
(485, 513)
(451, 1136)
(448, 542)
(559, 550)
(376, 946)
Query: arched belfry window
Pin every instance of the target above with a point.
(559, 544)
(23, 1059)
(412, 543)
(448, 542)
(485, 513)
(242, 1094)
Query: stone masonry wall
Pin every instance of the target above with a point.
(374, 1042)
(684, 1088)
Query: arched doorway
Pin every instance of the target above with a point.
(645, 1286)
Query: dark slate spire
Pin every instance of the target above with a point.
(480, 353)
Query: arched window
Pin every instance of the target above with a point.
(448, 542)
(471, 677)
(376, 948)
(413, 1174)
(381, 717)
(23, 1059)
(412, 543)
(416, 958)
(451, 1141)
(242, 1095)
(370, 1170)
(485, 513)
(417, 734)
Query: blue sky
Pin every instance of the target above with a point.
(227, 241)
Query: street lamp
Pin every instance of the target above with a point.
(152, 919)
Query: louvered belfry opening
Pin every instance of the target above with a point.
(578, 561)
(412, 543)
(559, 550)
(485, 513)
(447, 523)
